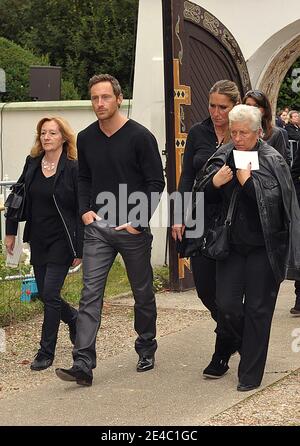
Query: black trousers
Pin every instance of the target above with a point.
(246, 298)
(297, 291)
(204, 274)
(101, 245)
(50, 279)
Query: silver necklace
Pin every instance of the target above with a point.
(47, 165)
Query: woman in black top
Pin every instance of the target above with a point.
(276, 137)
(293, 126)
(52, 228)
(295, 172)
(203, 140)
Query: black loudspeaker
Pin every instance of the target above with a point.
(45, 83)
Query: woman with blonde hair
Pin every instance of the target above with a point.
(204, 138)
(53, 228)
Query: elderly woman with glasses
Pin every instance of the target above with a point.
(275, 136)
(263, 240)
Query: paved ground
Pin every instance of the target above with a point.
(173, 394)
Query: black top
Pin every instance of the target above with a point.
(279, 140)
(293, 131)
(246, 226)
(201, 144)
(47, 237)
(129, 157)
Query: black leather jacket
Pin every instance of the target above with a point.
(274, 191)
(65, 197)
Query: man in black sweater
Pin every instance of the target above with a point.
(119, 165)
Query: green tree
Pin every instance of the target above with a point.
(16, 62)
(289, 94)
(84, 37)
(14, 19)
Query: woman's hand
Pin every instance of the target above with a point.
(223, 176)
(76, 262)
(243, 174)
(177, 231)
(9, 242)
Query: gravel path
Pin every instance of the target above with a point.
(278, 404)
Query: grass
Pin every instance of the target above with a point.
(13, 310)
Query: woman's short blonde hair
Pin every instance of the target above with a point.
(68, 135)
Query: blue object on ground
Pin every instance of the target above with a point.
(29, 290)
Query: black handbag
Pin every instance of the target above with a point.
(216, 241)
(15, 203)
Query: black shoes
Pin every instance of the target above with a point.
(295, 310)
(75, 374)
(145, 363)
(216, 368)
(246, 387)
(41, 362)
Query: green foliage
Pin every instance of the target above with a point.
(16, 62)
(84, 37)
(287, 97)
(68, 91)
(161, 278)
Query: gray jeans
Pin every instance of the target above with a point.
(101, 245)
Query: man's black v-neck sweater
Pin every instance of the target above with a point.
(129, 157)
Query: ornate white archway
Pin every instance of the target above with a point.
(277, 68)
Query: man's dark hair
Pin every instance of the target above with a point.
(106, 78)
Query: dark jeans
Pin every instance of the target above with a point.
(50, 279)
(204, 274)
(246, 298)
(101, 245)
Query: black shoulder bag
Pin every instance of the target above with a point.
(15, 203)
(216, 241)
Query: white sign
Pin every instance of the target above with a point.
(242, 158)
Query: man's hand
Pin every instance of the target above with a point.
(9, 242)
(223, 176)
(243, 174)
(128, 228)
(89, 217)
(177, 231)
(76, 262)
